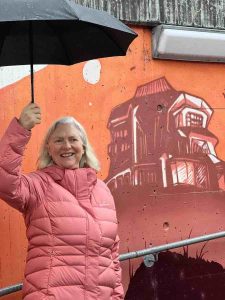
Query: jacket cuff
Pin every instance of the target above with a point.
(15, 125)
(16, 135)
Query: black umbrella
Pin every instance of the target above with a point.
(58, 32)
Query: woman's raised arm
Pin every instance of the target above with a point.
(15, 188)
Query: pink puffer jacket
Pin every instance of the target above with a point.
(71, 227)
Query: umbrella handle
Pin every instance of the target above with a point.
(31, 60)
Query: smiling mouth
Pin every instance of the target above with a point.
(67, 155)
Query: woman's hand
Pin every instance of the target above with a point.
(30, 116)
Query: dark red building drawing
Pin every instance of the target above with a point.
(160, 138)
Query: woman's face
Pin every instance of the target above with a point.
(65, 146)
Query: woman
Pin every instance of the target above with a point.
(69, 213)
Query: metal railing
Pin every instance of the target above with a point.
(11, 289)
(136, 254)
(154, 250)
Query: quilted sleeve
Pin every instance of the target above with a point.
(118, 293)
(14, 187)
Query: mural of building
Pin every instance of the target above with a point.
(160, 138)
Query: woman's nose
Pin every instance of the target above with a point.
(66, 144)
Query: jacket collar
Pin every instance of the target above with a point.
(78, 182)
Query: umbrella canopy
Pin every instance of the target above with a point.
(58, 32)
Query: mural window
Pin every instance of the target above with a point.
(127, 179)
(183, 172)
(179, 121)
(119, 181)
(136, 177)
(112, 149)
(222, 182)
(115, 148)
(150, 177)
(141, 143)
(201, 176)
(126, 147)
(140, 177)
(114, 135)
(194, 120)
(199, 146)
(190, 173)
(145, 177)
(112, 185)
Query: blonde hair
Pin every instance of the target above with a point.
(88, 159)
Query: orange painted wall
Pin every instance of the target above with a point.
(62, 91)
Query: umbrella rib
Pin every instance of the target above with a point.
(3, 40)
(2, 44)
(111, 38)
(61, 41)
